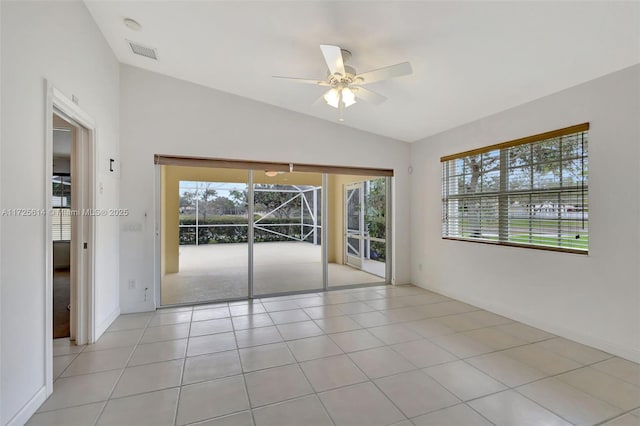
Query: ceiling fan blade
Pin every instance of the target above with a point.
(333, 58)
(368, 95)
(320, 100)
(304, 80)
(397, 70)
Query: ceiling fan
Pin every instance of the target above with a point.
(346, 84)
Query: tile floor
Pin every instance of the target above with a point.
(367, 356)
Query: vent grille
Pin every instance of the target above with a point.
(147, 52)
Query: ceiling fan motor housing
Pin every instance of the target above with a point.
(345, 80)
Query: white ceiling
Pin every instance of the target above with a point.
(470, 59)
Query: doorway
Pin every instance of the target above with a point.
(365, 226)
(70, 230)
(354, 224)
(69, 226)
(231, 230)
(61, 225)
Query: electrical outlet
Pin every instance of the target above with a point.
(132, 284)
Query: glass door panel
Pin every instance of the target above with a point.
(354, 224)
(204, 246)
(357, 248)
(287, 226)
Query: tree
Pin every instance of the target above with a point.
(267, 201)
(375, 208)
(206, 196)
(238, 197)
(222, 205)
(525, 164)
(375, 216)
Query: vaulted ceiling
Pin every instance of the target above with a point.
(470, 59)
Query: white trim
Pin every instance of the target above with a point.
(148, 306)
(324, 231)
(550, 327)
(48, 248)
(157, 235)
(56, 100)
(1, 418)
(29, 408)
(100, 329)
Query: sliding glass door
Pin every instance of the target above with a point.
(205, 250)
(358, 250)
(231, 234)
(354, 224)
(287, 236)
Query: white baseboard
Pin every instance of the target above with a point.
(29, 408)
(550, 327)
(148, 306)
(102, 327)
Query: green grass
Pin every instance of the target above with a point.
(566, 241)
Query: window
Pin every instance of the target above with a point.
(61, 203)
(531, 192)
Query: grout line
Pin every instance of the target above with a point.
(402, 323)
(184, 362)
(115, 384)
(244, 378)
(542, 406)
(84, 404)
(479, 413)
(75, 356)
(625, 413)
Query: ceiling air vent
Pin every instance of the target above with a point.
(147, 52)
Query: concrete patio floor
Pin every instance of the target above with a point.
(219, 271)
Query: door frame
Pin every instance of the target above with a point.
(355, 262)
(84, 155)
(250, 165)
(364, 239)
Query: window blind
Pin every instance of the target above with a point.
(61, 203)
(532, 192)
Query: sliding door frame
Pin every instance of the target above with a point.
(250, 233)
(251, 166)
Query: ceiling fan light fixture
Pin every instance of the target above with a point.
(336, 96)
(344, 82)
(332, 97)
(348, 97)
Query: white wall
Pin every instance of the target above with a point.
(162, 115)
(57, 41)
(593, 299)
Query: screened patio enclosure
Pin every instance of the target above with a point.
(229, 234)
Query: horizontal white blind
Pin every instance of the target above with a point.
(532, 194)
(61, 203)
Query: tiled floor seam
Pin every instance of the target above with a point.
(184, 361)
(479, 413)
(244, 377)
(628, 412)
(317, 394)
(298, 363)
(65, 369)
(73, 406)
(540, 405)
(104, 406)
(390, 400)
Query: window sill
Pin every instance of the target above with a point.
(528, 246)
